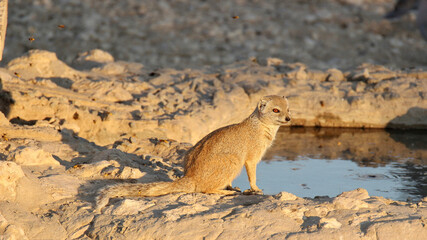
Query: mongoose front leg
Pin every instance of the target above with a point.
(251, 171)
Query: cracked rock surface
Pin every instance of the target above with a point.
(103, 106)
(68, 131)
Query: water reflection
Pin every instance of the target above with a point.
(414, 177)
(327, 161)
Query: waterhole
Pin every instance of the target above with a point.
(311, 162)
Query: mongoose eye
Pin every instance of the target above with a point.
(276, 110)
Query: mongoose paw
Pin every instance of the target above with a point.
(252, 192)
(236, 189)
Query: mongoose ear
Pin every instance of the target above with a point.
(261, 104)
(286, 99)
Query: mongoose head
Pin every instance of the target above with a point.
(274, 110)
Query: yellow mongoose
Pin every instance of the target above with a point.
(213, 163)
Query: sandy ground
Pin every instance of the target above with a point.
(68, 131)
(73, 119)
(188, 34)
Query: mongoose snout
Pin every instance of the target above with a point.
(215, 161)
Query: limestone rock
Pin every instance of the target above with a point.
(32, 156)
(349, 203)
(102, 168)
(10, 231)
(10, 173)
(117, 155)
(3, 120)
(335, 75)
(106, 169)
(114, 95)
(130, 173)
(329, 223)
(285, 196)
(95, 55)
(359, 193)
(40, 63)
(174, 214)
(395, 229)
(274, 61)
(61, 186)
(299, 73)
(129, 207)
(352, 199)
(111, 69)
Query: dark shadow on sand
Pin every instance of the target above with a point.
(6, 100)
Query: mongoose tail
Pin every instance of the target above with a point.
(141, 190)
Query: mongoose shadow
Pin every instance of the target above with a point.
(91, 156)
(212, 164)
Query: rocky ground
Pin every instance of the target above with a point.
(188, 34)
(73, 119)
(108, 99)
(69, 130)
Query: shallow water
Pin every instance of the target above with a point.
(319, 162)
